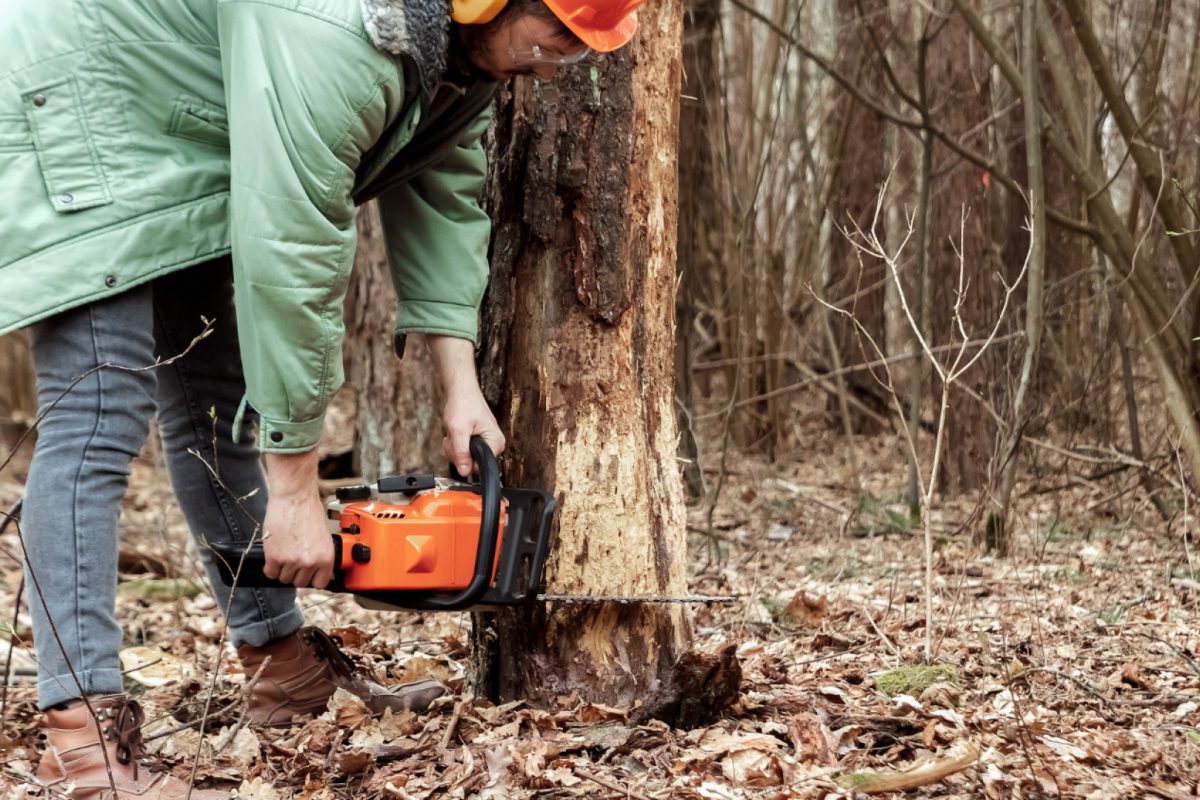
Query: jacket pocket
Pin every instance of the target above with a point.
(66, 152)
(199, 121)
(15, 136)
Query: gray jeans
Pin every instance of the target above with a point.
(81, 465)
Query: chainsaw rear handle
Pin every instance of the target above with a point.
(242, 565)
(246, 562)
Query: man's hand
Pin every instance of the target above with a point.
(296, 538)
(466, 413)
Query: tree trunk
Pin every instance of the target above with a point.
(399, 428)
(18, 404)
(963, 102)
(861, 173)
(578, 363)
(704, 215)
(997, 530)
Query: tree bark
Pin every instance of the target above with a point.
(704, 216)
(18, 404)
(578, 363)
(997, 532)
(861, 173)
(399, 429)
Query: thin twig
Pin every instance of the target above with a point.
(11, 518)
(1095, 691)
(14, 512)
(37, 587)
(607, 784)
(8, 660)
(452, 726)
(233, 586)
(244, 698)
(204, 334)
(882, 636)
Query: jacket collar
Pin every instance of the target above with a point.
(419, 29)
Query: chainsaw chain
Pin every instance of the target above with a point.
(620, 600)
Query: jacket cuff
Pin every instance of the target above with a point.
(284, 436)
(434, 316)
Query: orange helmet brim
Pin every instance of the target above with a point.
(602, 40)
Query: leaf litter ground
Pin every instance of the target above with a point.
(1070, 669)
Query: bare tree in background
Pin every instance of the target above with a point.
(399, 427)
(18, 402)
(704, 210)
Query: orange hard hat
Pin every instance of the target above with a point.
(603, 25)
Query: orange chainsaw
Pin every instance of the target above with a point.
(433, 544)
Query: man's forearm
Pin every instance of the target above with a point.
(454, 363)
(466, 413)
(290, 474)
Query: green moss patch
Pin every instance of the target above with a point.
(915, 679)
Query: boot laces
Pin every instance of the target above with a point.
(126, 732)
(328, 651)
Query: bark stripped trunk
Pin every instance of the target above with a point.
(399, 428)
(578, 363)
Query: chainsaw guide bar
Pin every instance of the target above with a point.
(592, 598)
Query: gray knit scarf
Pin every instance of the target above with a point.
(419, 29)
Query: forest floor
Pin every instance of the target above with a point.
(1069, 669)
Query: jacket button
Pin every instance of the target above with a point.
(39, 100)
(66, 198)
(110, 281)
(276, 437)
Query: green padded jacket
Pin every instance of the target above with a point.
(139, 137)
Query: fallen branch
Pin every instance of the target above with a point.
(390, 752)
(1098, 693)
(607, 784)
(923, 773)
(1186, 586)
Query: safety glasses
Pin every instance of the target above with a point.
(535, 56)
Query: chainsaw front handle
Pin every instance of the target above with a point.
(489, 534)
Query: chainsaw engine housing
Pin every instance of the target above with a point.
(433, 544)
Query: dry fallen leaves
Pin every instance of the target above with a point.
(1077, 664)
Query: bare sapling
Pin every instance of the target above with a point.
(962, 353)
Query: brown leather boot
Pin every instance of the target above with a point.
(73, 764)
(306, 668)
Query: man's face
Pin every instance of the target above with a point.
(528, 45)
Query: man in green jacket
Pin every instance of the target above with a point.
(179, 183)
